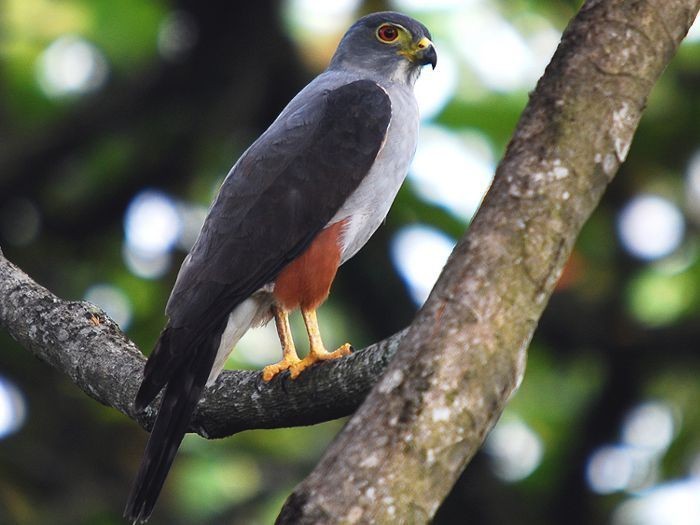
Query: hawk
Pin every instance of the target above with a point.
(301, 200)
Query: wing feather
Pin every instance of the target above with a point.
(281, 193)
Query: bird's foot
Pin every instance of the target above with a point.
(270, 371)
(316, 356)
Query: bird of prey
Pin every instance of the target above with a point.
(301, 200)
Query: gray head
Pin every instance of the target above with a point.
(388, 45)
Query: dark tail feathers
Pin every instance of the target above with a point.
(184, 387)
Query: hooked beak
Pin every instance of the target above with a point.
(425, 52)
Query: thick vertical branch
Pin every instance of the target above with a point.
(465, 353)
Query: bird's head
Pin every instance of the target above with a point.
(389, 44)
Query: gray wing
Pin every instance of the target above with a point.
(280, 194)
(285, 189)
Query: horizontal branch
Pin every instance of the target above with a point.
(80, 340)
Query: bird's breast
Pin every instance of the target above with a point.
(306, 281)
(367, 207)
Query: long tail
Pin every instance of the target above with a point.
(185, 381)
(182, 363)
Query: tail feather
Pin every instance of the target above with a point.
(183, 390)
(159, 368)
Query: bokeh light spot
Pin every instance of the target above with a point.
(609, 469)
(650, 426)
(145, 264)
(419, 253)
(676, 503)
(152, 224)
(516, 449)
(494, 49)
(71, 66)
(650, 227)
(615, 468)
(13, 408)
(434, 89)
(321, 16)
(452, 170)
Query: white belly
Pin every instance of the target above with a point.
(367, 207)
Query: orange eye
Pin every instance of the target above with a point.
(388, 33)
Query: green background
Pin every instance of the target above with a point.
(606, 426)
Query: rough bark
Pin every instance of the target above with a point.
(465, 353)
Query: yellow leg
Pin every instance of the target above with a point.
(289, 352)
(317, 352)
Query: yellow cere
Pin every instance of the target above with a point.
(423, 43)
(407, 48)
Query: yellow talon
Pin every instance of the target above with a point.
(290, 360)
(270, 371)
(316, 356)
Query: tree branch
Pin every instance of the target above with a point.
(79, 339)
(465, 353)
